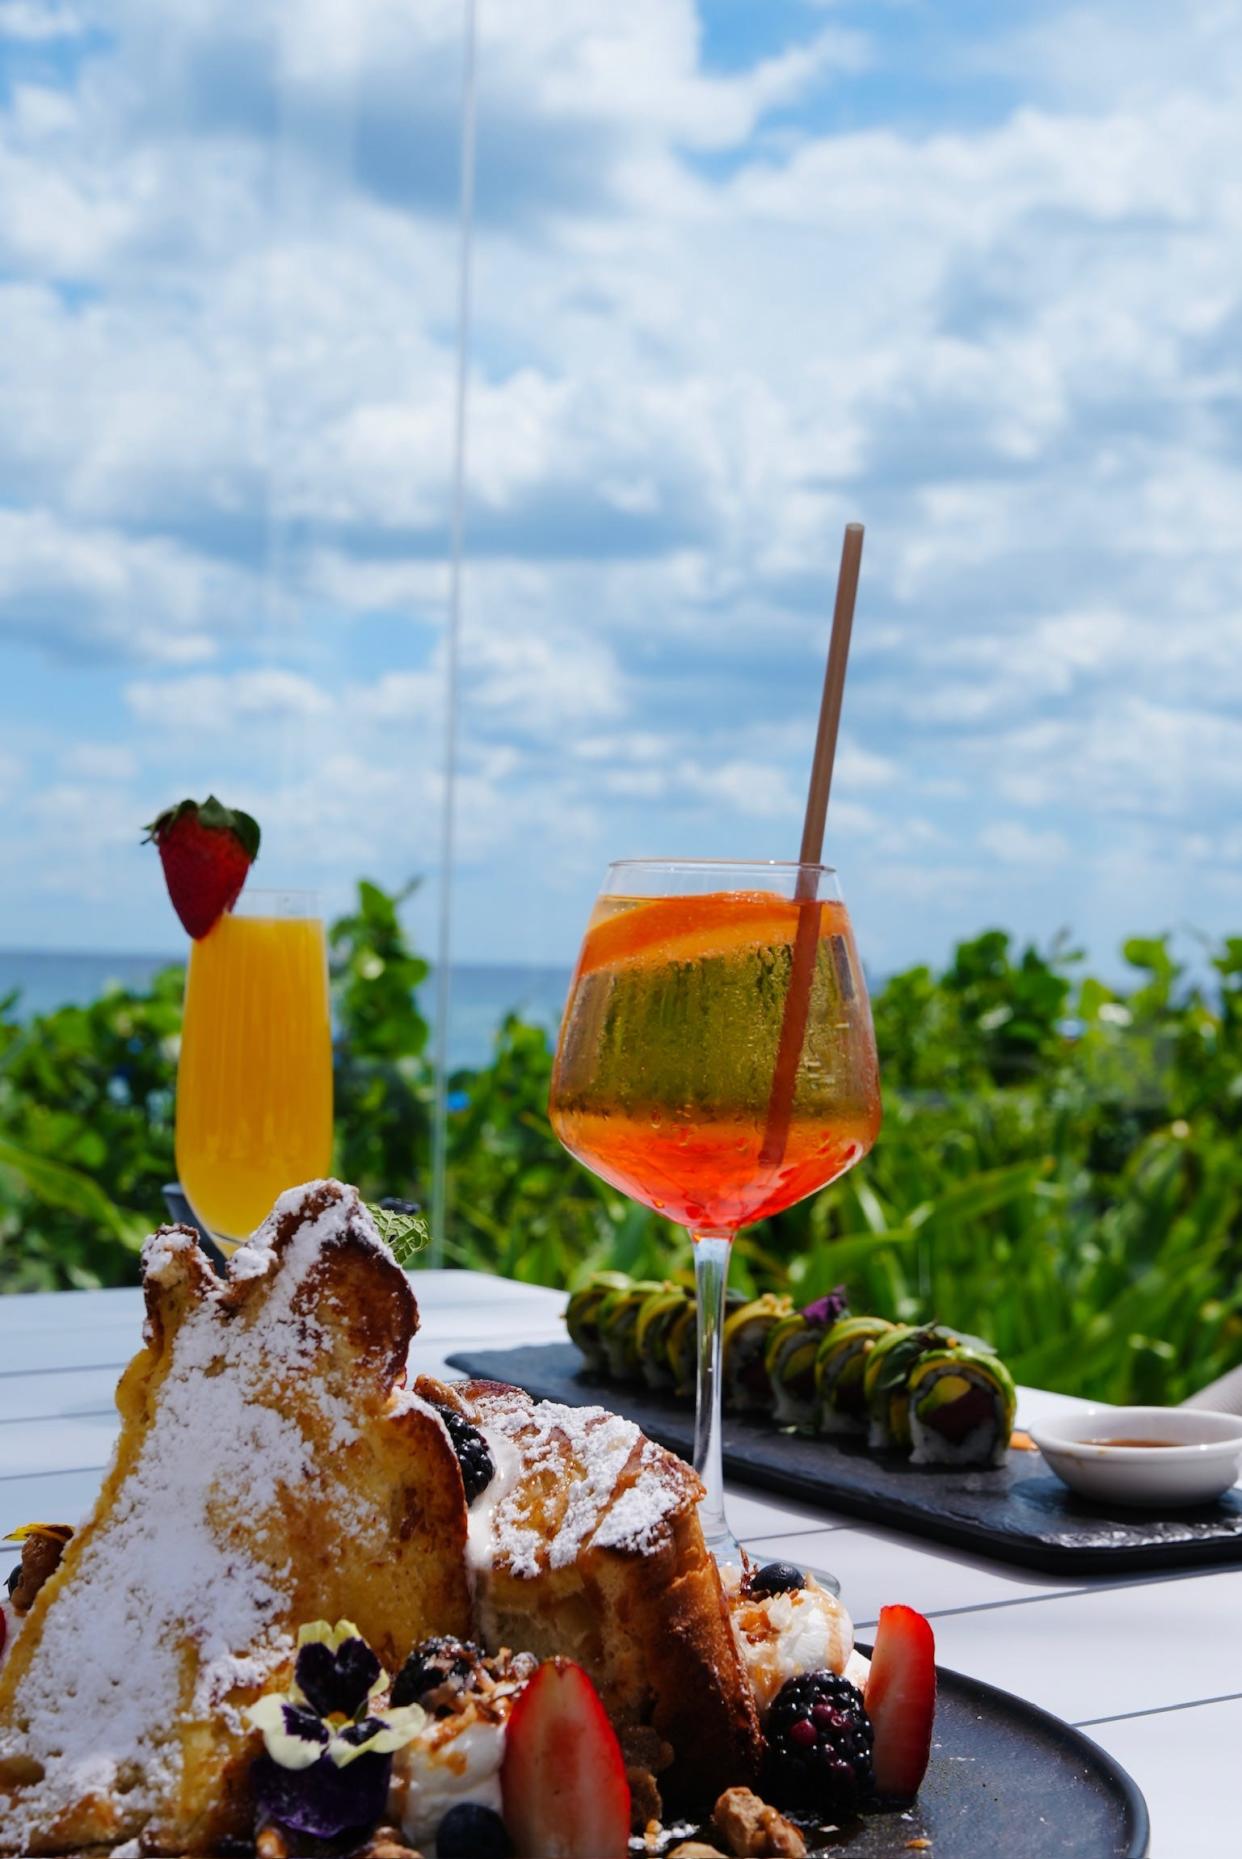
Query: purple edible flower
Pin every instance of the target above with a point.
(336, 1680)
(322, 1801)
(827, 1310)
(327, 1741)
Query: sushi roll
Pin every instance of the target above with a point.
(886, 1380)
(679, 1348)
(789, 1358)
(962, 1405)
(582, 1317)
(681, 1343)
(618, 1320)
(840, 1360)
(746, 1332)
(657, 1316)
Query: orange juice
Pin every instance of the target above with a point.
(254, 1081)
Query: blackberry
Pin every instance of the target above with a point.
(443, 1665)
(477, 1465)
(15, 1575)
(471, 1831)
(819, 1746)
(776, 1578)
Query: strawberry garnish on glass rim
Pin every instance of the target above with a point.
(206, 850)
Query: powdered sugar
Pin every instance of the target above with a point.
(637, 1519)
(161, 1251)
(179, 1570)
(342, 1211)
(610, 1453)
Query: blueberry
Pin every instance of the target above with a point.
(470, 1831)
(15, 1575)
(777, 1578)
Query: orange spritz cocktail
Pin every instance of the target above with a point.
(665, 1070)
(254, 1080)
(717, 1062)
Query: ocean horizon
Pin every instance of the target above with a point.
(480, 994)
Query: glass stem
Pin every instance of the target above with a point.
(711, 1273)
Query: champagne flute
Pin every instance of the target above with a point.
(665, 1082)
(254, 1076)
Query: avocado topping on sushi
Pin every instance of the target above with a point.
(962, 1406)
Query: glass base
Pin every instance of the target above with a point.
(722, 1545)
(725, 1550)
(824, 1577)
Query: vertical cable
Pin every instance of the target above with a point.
(448, 822)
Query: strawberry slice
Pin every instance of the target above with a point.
(901, 1701)
(563, 1777)
(206, 850)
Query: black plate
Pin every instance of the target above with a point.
(1007, 1781)
(1018, 1511)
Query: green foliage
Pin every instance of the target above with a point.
(382, 1082)
(1058, 1169)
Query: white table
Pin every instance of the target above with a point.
(1149, 1666)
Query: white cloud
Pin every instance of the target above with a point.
(1011, 348)
(749, 789)
(99, 590)
(101, 761)
(35, 21)
(1017, 844)
(224, 702)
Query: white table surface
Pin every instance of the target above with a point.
(1150, 1666)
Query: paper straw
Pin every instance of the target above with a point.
(806, 937)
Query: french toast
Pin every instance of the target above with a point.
(271, 1469)
(587, 1543)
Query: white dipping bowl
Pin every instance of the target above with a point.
(1198, 1462)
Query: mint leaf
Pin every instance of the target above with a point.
(406, 1234)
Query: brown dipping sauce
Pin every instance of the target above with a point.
(1132, 1442)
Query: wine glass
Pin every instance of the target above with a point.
(717, 1062)
(254, 1077)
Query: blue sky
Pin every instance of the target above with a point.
(972, 274)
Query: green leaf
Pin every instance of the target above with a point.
(67, 1189)
(405, 1234)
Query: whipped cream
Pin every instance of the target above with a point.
(450, 1761)
(482, 1541)
(857, 1669)
(781, 1636)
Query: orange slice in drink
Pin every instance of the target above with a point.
(686, 929)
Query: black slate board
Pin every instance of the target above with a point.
(1007, 1781)
(1018, 1512)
